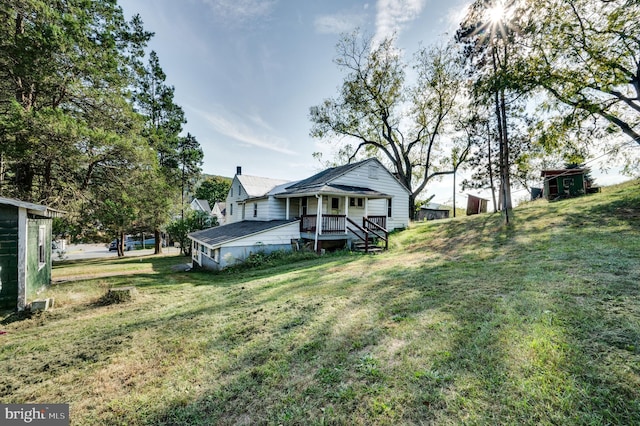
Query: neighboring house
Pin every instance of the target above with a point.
(200, 205)
(248, 199)
(433, 211)
(219, 210)
(25, 251)
(564, 183)
(333, 208)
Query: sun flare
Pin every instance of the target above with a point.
(496, 13)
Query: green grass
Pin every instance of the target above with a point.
(463, 321)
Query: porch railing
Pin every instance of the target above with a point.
(371, 225)
(337, 224)
(381, 221)
(331, 223)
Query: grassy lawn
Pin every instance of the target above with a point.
(462, 321)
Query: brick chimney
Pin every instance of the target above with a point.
(238, 170)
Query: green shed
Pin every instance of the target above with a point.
(564, 183)
(25, 251)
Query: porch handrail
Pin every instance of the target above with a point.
(366, 223)
(361, 229)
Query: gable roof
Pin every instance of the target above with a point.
(258, 186)
(203, 204)
(234, 231)
(322, 182)
(328, 175)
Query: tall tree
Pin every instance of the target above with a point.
(179, 157)
(385, 116)
(65, 68)
(189, 158)
(489, 33)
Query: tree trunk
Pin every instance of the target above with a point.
(454, 192)
(158, 245)
(490, 167)
(120, 244)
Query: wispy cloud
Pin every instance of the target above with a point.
(338, 23)
(237, 12)
(392, 15)
(260, 135)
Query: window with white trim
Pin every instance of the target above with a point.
(356, 202)
(255, 209)
(389, 208)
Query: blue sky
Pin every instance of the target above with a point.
(246, 72)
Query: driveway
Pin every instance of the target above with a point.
(94, 251)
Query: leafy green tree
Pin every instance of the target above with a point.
(189, 156)
(491, 36)
(584, 54)
(180, 228)
(179, 157)
(384, 115)
(65, 67)
(213, 189)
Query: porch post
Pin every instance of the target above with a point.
(366, 207)
(288, 205)
(318, 220)
(346, 213)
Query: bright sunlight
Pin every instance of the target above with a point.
(496, 13)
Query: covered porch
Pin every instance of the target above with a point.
(339, 213)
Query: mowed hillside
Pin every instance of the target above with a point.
(463, 321)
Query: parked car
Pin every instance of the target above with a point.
(128, 245)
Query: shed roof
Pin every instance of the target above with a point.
(37, 209)
(223, 234)
(562, 172)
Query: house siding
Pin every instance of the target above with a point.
(38, 276)
(234, 214)
(383, 182)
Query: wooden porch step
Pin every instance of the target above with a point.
(373, 249)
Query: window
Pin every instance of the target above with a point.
(255, 209)
(373, 171)
(304, 206)
(335, 203)
(389, 208)
(239, 190)
(216, 255)
(231, 209)
(42, 259)
(353, 202)
(231, 192)
(204, 250)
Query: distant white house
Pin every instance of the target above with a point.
(200, 205)
(332, 208)
(219, 210)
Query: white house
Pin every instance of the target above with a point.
(219, 210)
(333, 208)
(200, 205)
